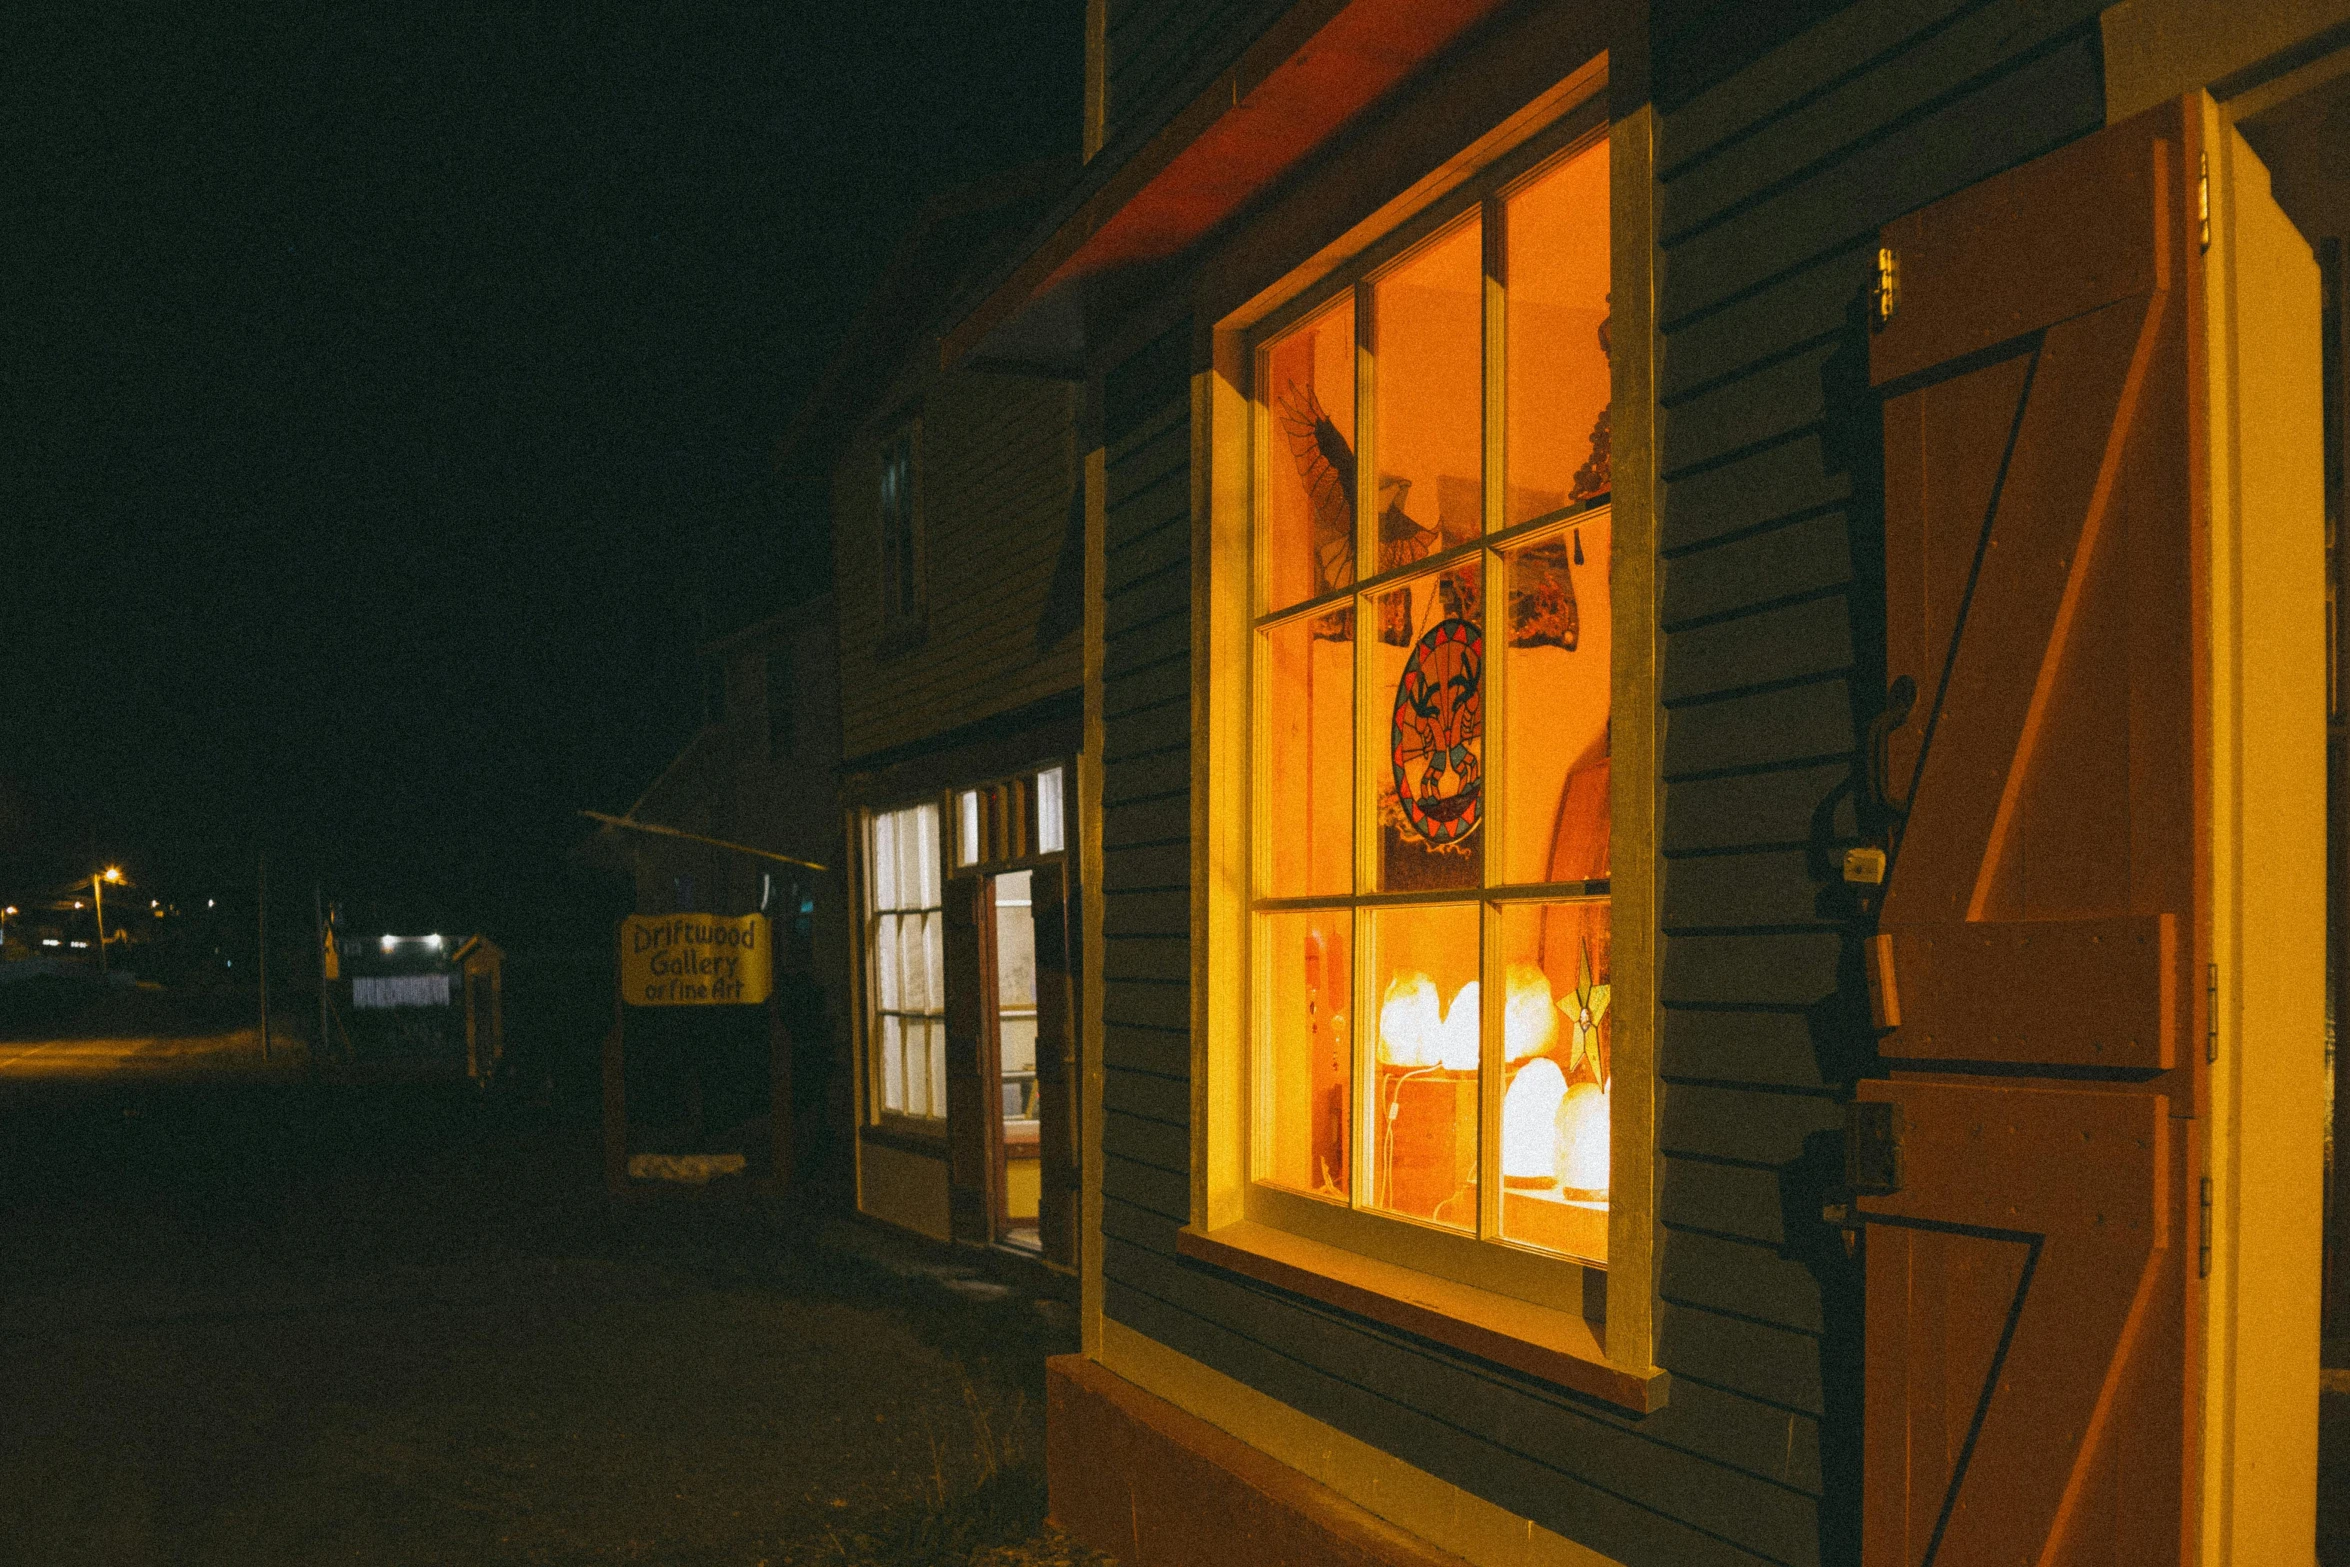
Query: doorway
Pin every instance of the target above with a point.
(1013, 1128)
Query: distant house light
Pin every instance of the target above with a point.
(49, 941)
(74, 944)
(207, 903)
(435, 942)
(390, 942)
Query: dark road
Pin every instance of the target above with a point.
(249, 1318)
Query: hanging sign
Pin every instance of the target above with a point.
(695, 960)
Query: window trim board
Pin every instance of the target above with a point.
(1541, 1341)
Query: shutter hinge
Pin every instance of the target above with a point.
(1888, 283)
(2211, 1014)
(2203, 1248)
(2203, 197)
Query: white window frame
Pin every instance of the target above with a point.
(1600, 1314)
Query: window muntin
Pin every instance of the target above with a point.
(906, 945)
(1431, 817)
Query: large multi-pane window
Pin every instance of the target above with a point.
(906, 933)
(1429, 877)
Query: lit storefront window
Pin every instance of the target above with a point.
(906, 936)
(1433, 657)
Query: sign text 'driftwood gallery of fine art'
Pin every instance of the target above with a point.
(690, 960)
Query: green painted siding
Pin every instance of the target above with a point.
(1775, 177)
(1161, 51)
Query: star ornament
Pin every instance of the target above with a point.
(1584, 1007)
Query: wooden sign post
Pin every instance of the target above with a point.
(695, 960)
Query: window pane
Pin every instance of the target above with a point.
(936, 1032)
(885, 860)
(1309, 755)
(1424, 723)
(1307, 1055)
(889, 984)
(1307, 380)
(1424, 1100)
(1015, 942)
(1428, 380)
(967, 827)
(1048, 811)
(1017, 1049)
(1556, 384)
(893, 1065)
(918, 868)
(1556, 1047)
(1555, 706)
(917, 1056)
(934, 958)
(914, 965)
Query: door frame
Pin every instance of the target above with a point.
(2267, 802)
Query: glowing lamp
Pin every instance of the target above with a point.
(1409, 1022)
(1529, 1123)
(1529, 1021)
(1456, 1041)
(1582, 1142)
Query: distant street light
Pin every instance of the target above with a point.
(98, 881)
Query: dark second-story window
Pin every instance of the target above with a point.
(780, 693)
(901, 534)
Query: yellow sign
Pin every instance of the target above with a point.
(694, 960)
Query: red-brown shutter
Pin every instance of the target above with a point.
(970, 1008)
(1056, 1064)
(2028, 1287)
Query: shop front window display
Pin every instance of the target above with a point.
(1431, 935)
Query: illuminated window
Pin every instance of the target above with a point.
(906, 960)
(1050, 827)
(901, 534)
(1429, 886)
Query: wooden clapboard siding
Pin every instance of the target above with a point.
(998, 478)
(1156, 48)
(1772, 184)
(1775, 176)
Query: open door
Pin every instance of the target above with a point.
(2036, 971)
(1058, 1178)
(969, 1063)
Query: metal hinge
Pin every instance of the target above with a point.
(2203, 197)
(2211, 1014)
(1872, 1164)
(1888, 283)
(2203, 1250)
(1872, 1148)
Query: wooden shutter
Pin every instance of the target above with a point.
(970, 1000)
(2028, 1285)
(1056, 1064)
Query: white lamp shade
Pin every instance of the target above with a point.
(1456, 1045)
(1529, 1022)
(1529, 1122)
(1582, 1141)
(1409, 1022)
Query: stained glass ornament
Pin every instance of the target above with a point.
(1439, 720)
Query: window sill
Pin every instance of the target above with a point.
(1541, 1341)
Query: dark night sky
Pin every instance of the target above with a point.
(364, 370)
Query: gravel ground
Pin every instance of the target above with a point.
(259, 1321)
